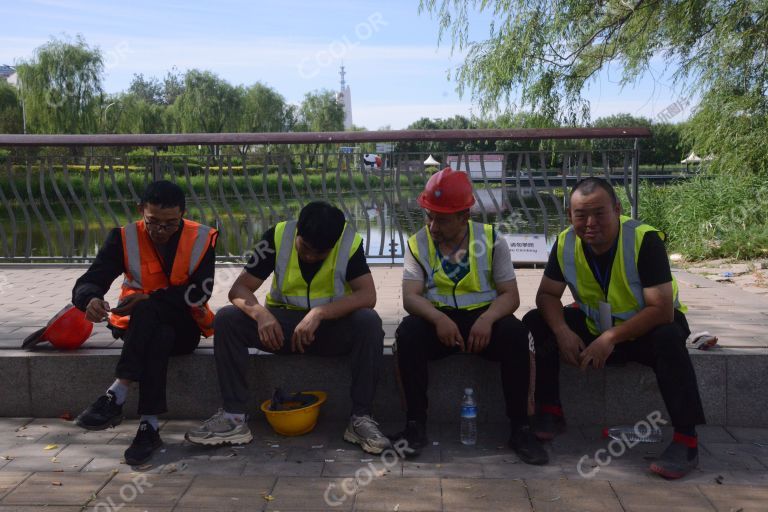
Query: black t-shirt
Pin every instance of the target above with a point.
(652, 263)
(262, 262)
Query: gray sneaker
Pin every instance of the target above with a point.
(219, 430)
(363, 430)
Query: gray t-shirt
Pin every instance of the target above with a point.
(503, 270)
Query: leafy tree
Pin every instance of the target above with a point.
(541, 55)
(61, 87)
(133, 113)
(264, 110)
(319, 112)
(10, 109)
(208, 104)
(149, 90)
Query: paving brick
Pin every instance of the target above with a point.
(228, 493)
(413, 494)
(9, 480)
(468, 495)
(284, 468)
(443, 469)
(731, 498)
(749, 434)
(140, 489)
(44, 489)
(637, 496)
(46, 463)
(297, 493)
(569, 495)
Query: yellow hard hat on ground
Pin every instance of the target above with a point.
(294, 421)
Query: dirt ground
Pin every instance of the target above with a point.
(750, 276)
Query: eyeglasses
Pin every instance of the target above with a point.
(168, 226)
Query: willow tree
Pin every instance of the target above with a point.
(61, 87)
(542, 55)
(10, 109)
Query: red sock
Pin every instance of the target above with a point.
(689, 441)
(552, 409)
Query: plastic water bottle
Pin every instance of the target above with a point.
(632, 435)
(468, 418)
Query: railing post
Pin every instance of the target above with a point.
(635, 178)
(157, 174)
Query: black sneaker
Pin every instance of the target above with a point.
(101, 414)
(676, 461)
(147, 440)
(415, 433)
(527, 447)
(547, 425)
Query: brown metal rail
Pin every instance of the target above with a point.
(188, 139)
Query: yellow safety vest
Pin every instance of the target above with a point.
(625, 291)
(477, 288)
(290, 290)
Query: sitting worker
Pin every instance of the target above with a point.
(320, 303)
(626, 309)
(168, 265)
(460, 291)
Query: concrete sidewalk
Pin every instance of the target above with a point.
(31, 295)
(51, 462)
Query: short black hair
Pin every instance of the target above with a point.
(164, 194)
(320, 224)
(588, 185)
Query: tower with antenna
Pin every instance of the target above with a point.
(344, 97)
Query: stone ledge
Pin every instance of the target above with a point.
(49, 384)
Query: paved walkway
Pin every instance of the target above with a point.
(30, 296)
(51, 462)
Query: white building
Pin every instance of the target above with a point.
(9, 74)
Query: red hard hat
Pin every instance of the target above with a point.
(67, 330)
(447, 191)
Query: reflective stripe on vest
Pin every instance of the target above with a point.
(324, 292)
(624, 287)
(476, 289)
(193, 243)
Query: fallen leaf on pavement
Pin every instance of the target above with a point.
(51, 447)
(57, 484)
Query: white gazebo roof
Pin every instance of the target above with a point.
(693, 158)
(431, 161)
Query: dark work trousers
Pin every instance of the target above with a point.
(157, 331)
(417, 344)
(358, 333)
(663, 349)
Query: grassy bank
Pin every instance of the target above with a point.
(716, 216)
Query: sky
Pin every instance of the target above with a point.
(395, 68)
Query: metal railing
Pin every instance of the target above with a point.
(60, 207)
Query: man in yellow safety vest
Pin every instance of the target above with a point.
(460, 291)
(626, 309)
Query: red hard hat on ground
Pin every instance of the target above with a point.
(67, 330)
(447, 191)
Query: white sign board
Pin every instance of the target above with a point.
(384, 147)
(524, 248)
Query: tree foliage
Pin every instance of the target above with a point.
(541, 55)
(10, 109)
(61, 87)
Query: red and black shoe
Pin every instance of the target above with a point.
(680, 458)
(548, 422)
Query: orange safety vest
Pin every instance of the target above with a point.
(144, 272)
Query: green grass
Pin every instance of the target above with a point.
(711, 216)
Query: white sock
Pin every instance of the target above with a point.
(237, 418)
(120, 390)
(152, 420)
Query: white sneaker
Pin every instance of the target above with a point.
(364, 430)
(219, 430)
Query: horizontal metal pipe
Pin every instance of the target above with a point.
(188, 139)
